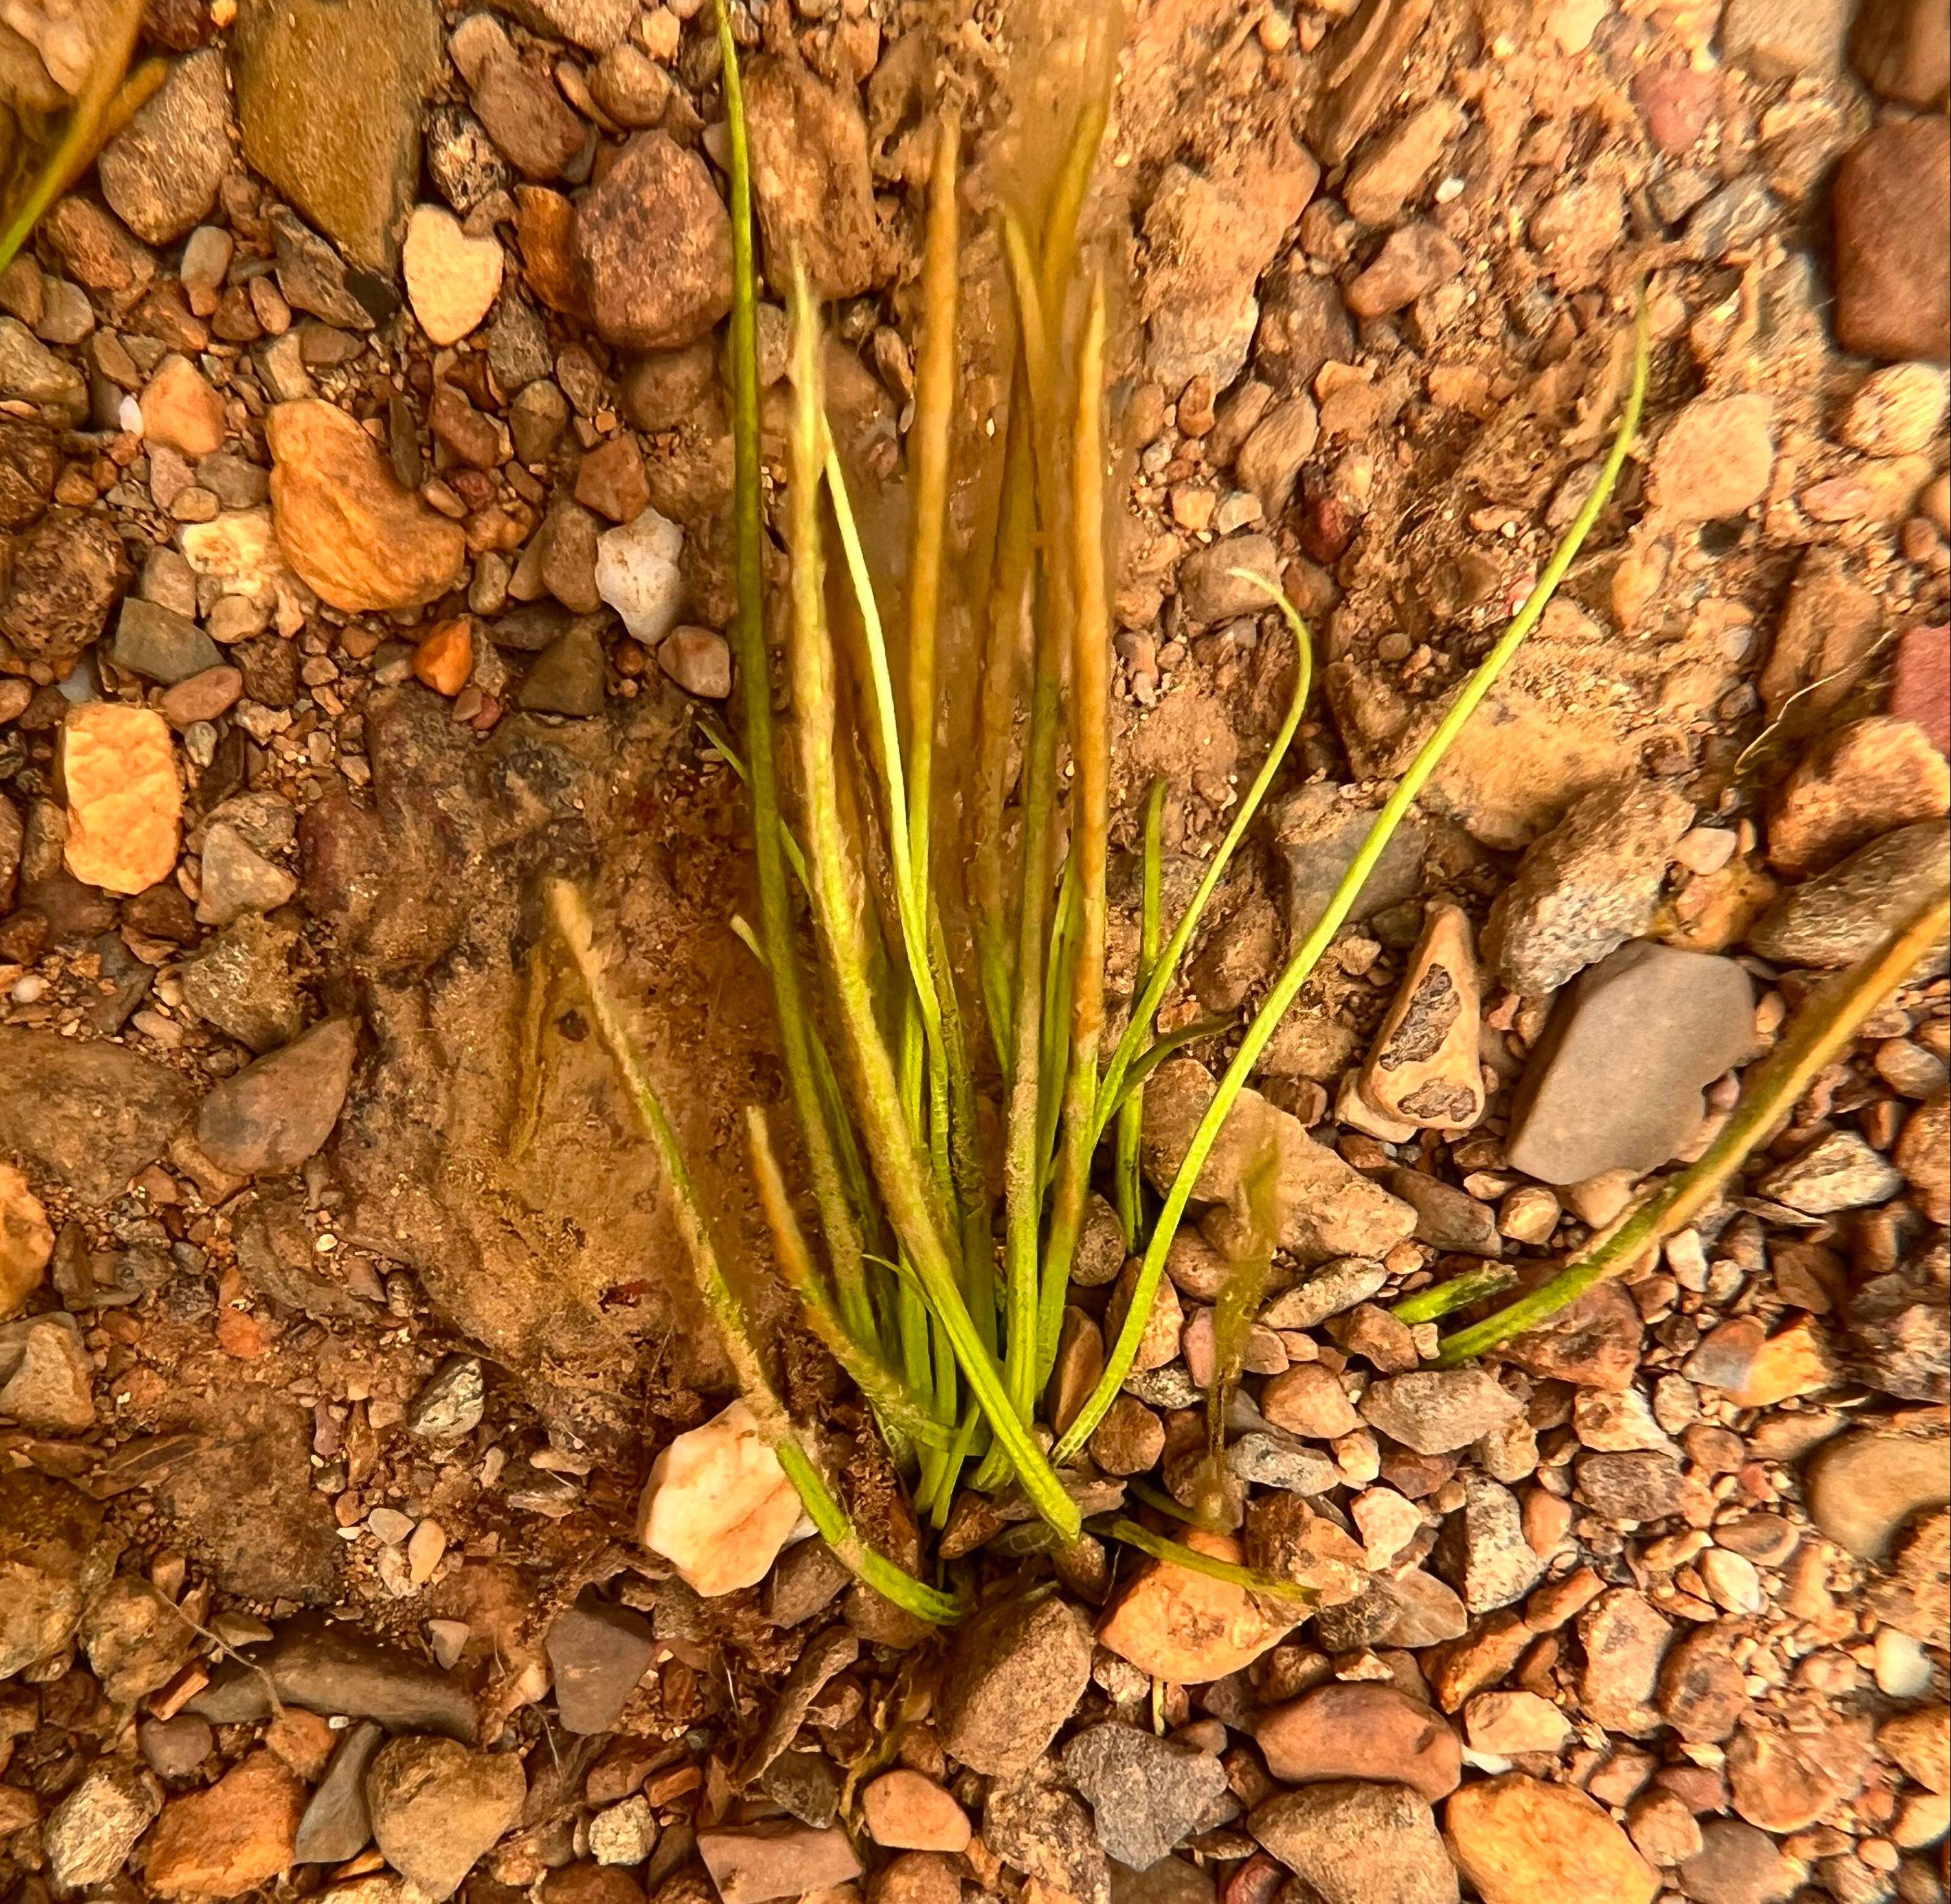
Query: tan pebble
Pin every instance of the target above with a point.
(124, 801)
(906, 1810)
(444, 659)
(27, 1241)
(179, 409)
(452, 278)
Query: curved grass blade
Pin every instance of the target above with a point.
(1162, 1547)
(1287, 987)
(1144, 1012)
(104, 102)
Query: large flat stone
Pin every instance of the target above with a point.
(330, 94)
(1616, 1085)
(87, 1116)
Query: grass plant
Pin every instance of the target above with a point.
(944, 1310)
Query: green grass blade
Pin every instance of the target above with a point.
(1138, 1030)
(1287, 986)
(1161, 1547)
(1127, 1179)
(1824, 1029)
(906, 1187)
(837, 1221)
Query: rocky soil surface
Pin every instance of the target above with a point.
(364, 558)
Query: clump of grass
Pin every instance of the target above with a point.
(902, 1283)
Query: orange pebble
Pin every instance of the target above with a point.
(445, 658)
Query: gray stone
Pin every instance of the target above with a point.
(807, 1783)
(159, 173)
(237, 877)
(1359, 1843)
(1041, 1831)
(336, 1824)
(313, 277)
(1780, 39)
(461, 159)
(805, 1579)
(161, 645)
(450, 1403)
(436, 1807)
(1731, 220)
(277, 1113)
(1013, 1675)
(595, 25)
(242, 983)
(518, 344)
(1738, 1863)
(332, 1670)
(597, 1653)
(329, 94)
(1483, 1551)
(568, 675)
(90, 1834)
(1333, 1290)
(1848, 911)
(1644, 1485)
(1446, 1217)
(30, 373)
(1438, 1410)
(46, 1375)
(1146, 1793)
(1615, 1083)
(1269, 1458)
(1839, 1171)
(1585, 888)
(1208, 590)
(1316, 834)
(89, 1116)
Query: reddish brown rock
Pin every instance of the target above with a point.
(1920, 683)
(1854, 785)
(653, 243)
(1361, 1729)
(1893, 244)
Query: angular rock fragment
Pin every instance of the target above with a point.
(718, 1505)
(1423, 1069)
(1616, 1082)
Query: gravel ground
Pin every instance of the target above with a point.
(364, 557)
